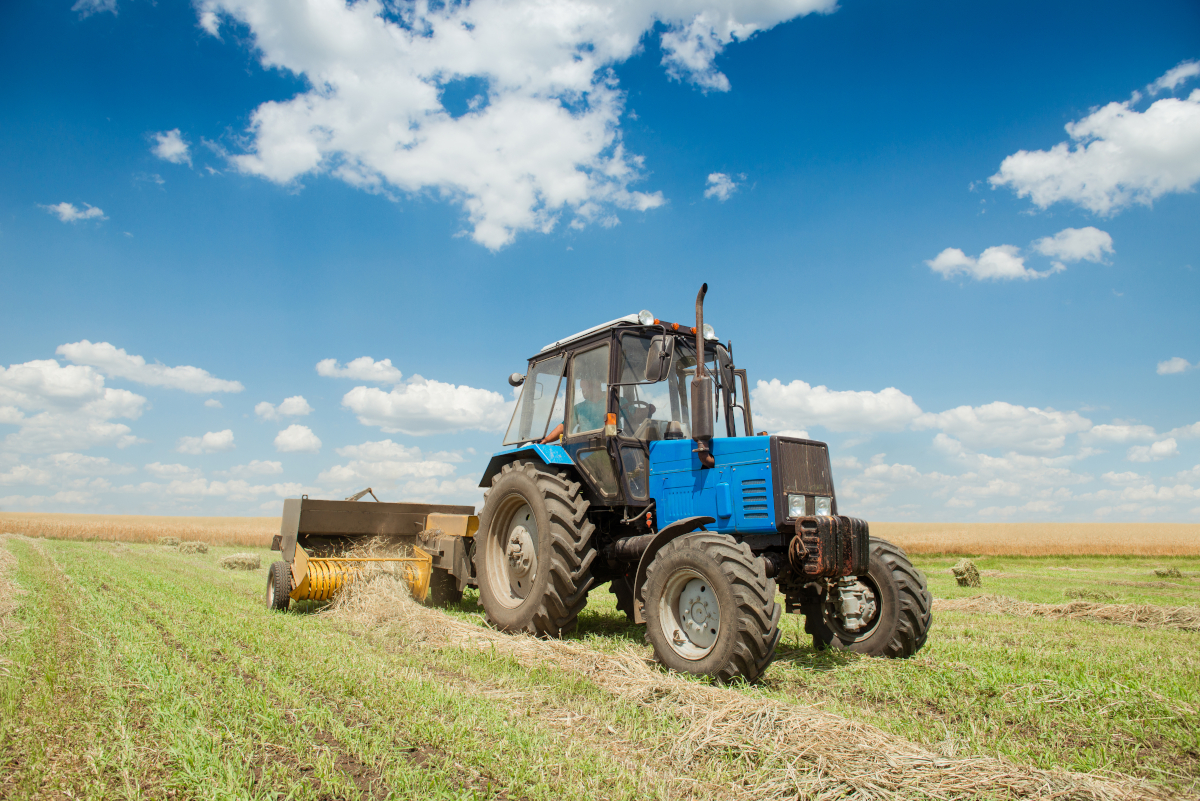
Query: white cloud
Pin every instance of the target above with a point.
(236, 490)
(1119, 433)
(1004, 425)
(1075, 244)
(1175, 76)
(75, 409)
(171, 146)
(999, 263)
(86, 8)
(1174, 366)
(297, 439)
(1128, 477)
(1163, 449)
(423, 406)
(211, 442)
(364, 368)
(798, 404)
(295, 406)
(171, 470)
(254, 468)
(213, 403)
(544, 142)
(69, 212)
(720, 186)
(1118, 156)
(116, 363)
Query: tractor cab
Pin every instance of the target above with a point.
(607, 394)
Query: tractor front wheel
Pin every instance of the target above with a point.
(897, 609)
(534, 561)
(710, 609)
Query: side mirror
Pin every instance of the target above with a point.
(658, 357)
(516, 379)
(702, 408)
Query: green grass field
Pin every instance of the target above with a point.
(139, 672)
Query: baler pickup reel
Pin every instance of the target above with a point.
(327, 545)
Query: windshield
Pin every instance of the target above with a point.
(539, 400)
(646, 411)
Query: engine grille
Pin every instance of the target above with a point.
(802, 467)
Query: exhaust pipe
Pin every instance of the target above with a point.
(702, 391)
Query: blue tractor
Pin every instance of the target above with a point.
(613, 472)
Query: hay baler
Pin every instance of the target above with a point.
(327, 544)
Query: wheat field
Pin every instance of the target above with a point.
(1044, 539)
(251, 531)
(967, 539)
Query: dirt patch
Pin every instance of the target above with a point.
(1148, 616)
(788, 750)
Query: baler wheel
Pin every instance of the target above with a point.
(533, 553)
(904, 609)
(443, 588)
(710, 608)
(279, 584)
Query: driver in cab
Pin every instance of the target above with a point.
(588, 414)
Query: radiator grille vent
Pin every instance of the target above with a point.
(804, 467)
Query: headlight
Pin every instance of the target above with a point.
(795, 506)
(645, 317)
(824, 506)
(709, 333)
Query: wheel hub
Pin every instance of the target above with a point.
(857, 604)
(520, 552)
(698, 613)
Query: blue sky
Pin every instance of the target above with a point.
(956, 241)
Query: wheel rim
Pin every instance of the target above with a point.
(512, 553)
(849, 633)
(690, 614)
(270, 589)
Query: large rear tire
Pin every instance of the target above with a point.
(279, 585)
(710, 609)
(534, 562)
(903, 609)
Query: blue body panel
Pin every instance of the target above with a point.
(549, 454)
(736, 490)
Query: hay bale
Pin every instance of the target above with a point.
(1168, 572)
(193, 547)
(242, 561)
(966, 574)
(170, 542)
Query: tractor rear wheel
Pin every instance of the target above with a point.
(279, 585)
(710, 608)
(900, 604)
(534, 561)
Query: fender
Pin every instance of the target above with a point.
(680, 527)
(548, 454)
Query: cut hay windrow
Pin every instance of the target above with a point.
(8, 593)
(1147, 616)
(782, 750)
